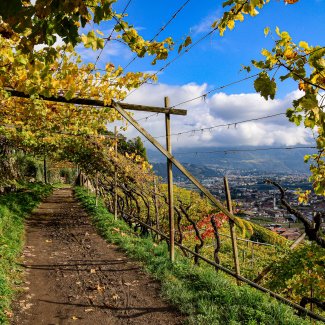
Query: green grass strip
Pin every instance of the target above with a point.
(207, 297)
(14, 207)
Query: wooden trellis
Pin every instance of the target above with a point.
(171, 160)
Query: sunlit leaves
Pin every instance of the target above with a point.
(92, 41)
(294, 117)
(137, 44)
(303, 197)
(45, 124)
(236, 12)
(103, 12)
(43, 22)
(305, 65)
(299, 272)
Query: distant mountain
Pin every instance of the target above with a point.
(222, 161)
(199, 171)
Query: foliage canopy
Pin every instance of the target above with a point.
(79, 134)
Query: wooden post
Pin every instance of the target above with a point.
(170, 185)
(298, 241)
(45, 170)
(156, 202)
(311, 293)
(97, 190)
(115, 177)
(232, 229)
(77, 172)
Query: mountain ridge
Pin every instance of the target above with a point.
(210, 162)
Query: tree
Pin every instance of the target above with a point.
(137, 146)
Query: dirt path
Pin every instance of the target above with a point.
(74, 277)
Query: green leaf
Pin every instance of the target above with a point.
(282, 78)
(293, 116)
(68, 95)
(259, 64)
(100, 43)
(50, 39)
(309, 101)
(309, 122)
(92, 41)
(247, 68)
(296, 119)
(22, 60)
(227, 3)
(98, 15)
(265, 86)
(290, 112)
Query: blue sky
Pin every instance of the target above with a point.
(217, 60)
(214, 62)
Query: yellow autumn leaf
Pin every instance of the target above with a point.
(304, 45)
(231, 24)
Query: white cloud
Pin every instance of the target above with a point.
(219, 109)
(154, 94)
(248, 106)
(59, 42)
(205, 24)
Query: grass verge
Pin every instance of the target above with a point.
(205, 296)
(14, 207)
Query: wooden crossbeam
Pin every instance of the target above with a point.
(100, 103)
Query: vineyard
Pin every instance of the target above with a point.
(62, 123)
(203, 233)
